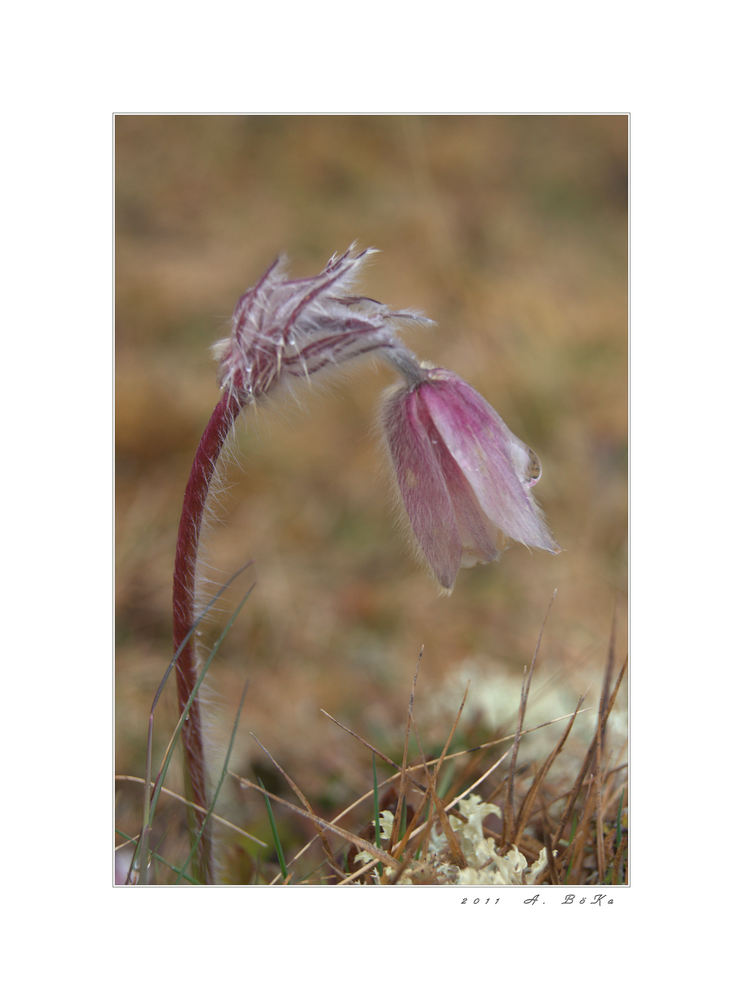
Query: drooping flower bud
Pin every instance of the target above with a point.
(465, 480)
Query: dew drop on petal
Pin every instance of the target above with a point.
(533, 471)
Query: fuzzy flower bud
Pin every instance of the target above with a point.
(465, 480)
(297, 327)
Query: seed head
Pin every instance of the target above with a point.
(294, 327)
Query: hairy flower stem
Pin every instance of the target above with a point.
(184, 612)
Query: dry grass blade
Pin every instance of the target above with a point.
(589, 757)
(413, 830)
(306, 803)
(583, 829)
(369, 746)
(359, 873)
(451, 839)
(549, 839)
(401, 795)
(508, 813)
(182, 798)
(478, 781)
(443, 755)
(528, 802)
(455, 849)
(352, 838)
(600, 735)
(430, 795)
(572, 856)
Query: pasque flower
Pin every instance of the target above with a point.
(465, 480)
(282, 329)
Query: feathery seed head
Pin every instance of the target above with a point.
(296, 327)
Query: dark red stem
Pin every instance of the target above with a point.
(184, 606)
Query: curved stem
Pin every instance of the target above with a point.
(184, 606)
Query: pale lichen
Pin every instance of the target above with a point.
(484, 865)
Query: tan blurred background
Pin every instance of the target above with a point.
(510, 232)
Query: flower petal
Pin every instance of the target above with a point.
(479, 542)
(497, 465)
(422, 487)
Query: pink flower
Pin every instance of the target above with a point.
(465, 480)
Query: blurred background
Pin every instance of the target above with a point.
(511, 233)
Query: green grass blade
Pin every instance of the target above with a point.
(184, 714)
(619, 821)
(141, 849)
(275, 833)
(158, 857)
(222, 776)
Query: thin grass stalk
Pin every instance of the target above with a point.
(306, 803)
(219, 784)
(619, 821)
(363, 845)
(275, 833)
(548, 840)
(167, 756)
(509, 811)
(477, 782)
(142, 848)
(527, 803)
(589, 758)
(583, 830)
(149, 791)
(377, 831)
(410, 847)
(453, 843)
(155, 856)
(400, 820)
(164, 790)
(200, 807)
(379, 753)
